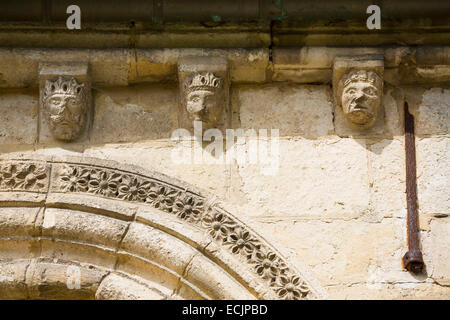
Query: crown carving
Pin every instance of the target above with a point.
(362, 75)
(206, 81)
(62, 86)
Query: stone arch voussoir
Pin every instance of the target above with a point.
(89, 228)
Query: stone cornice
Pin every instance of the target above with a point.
(404, 65)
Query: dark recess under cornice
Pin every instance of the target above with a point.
(234, 23)
(160, 11)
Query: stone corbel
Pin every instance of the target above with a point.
(204, 91)
(358, 88)
(65, 101)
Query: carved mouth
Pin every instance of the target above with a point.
(357, 107)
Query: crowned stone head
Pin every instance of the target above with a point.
(360, 94)
(65, 107)
(204, 96)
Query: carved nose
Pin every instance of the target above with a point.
(359, 96)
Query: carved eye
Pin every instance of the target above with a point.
(370, 91)
(74, 106)
(55, 101)
(351, 91)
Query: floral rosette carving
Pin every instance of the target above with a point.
(191, 208)
(268, 265)
(241, 241)
(188, 208)
(24, 176)
(218, 225)
(74, 179)
(291, 287)
(133, 189)
(162, 197)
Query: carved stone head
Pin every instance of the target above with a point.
(360, 94)
(65, 107)
(204, 98)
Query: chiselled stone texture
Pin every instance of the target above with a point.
(18, 118)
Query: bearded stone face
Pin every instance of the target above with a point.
(361, 99)
(203, 105)
(65, 110)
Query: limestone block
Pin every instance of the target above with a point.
(320, 179)
(57, 281)
(78, 252)
(12, 279)
(440, 253)
(218, 284)
(114, 287)
(158, 246)
(160, 277)
(18, 221)
(107, 207)
(246, 65)
(387, 186)
(387, 291)
(294, 110)
(18, 117)
(134, 113)
(81, 226)
(433, 175)
(19, 248)
(433, 113)
(345, 252)
(164, 221)
(20, 66)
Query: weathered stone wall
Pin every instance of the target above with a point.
(337, 203)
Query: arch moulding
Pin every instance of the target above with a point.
(94, 229)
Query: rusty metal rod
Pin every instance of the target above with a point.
(412, 260)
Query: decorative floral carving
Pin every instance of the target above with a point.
(24, 176)
(191, 208)
(291, 287)
(75, 179)
(162, 197)
(241, 241)
(218, 225)
(188, 208)
(131, 188)
(104, 182)
(268, 265)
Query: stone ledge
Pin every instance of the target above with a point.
(121, 67)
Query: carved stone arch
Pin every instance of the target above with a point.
(96, 229)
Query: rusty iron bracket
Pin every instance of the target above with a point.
(412, 260)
